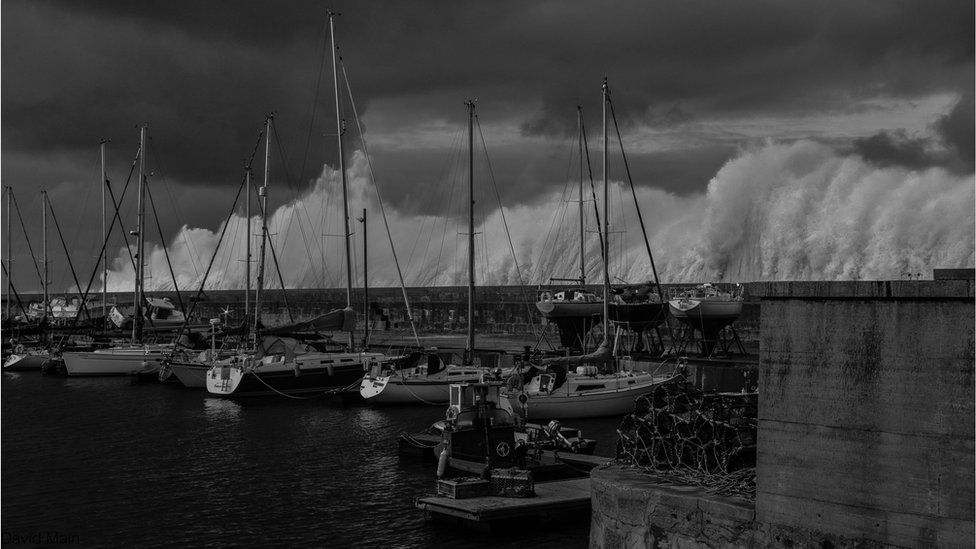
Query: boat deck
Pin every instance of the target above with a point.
(553, 501)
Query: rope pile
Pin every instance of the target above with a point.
(702, 438)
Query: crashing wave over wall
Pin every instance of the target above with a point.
(778, 211)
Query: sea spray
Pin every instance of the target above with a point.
(777, 211)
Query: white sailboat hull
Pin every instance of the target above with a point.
(115, 361)
(433, 389)
(563, 404)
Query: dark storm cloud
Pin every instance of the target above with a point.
(203, 74)
(952, 147)
(957, 131)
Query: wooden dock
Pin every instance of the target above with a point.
(553, 501)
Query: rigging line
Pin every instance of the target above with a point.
(274, 258)
(213, 257)
(111, 227)
(191, 252)
(176, 213)
(16, 295)
(452, 182)
(315, 100)
(159, 229)
(379, 199)
(548, 253)
(284, 294)
(300, 207)
(636, 205)
(71, 266)
(508, 233)
(27, 238)
(589, 170)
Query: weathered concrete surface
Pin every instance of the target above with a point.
(635, 510)
(866, 410)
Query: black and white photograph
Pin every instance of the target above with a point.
(551, 274)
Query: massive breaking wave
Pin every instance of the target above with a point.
(796, 211)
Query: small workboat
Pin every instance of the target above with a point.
(478, 434)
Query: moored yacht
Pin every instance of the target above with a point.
(119, 360)
(284, 366)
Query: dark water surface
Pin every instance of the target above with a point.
(114, 464)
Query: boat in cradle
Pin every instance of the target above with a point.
(706, 307)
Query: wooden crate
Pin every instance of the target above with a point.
(462, 488)
(512, 483)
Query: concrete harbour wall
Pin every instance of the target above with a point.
(866, 429)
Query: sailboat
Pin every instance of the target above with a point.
(282, 365)
(590, 385)
(136, 356)
(429, 382)
(574, 310)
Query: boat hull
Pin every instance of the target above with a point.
(569, 309)
(310, 375)
(193, 376)
(561, 404)
(707, 314)
(25, 361)
(114, 362)
(638, 316)
(434, 389)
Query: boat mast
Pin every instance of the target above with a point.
(365, 284)
(263, 197)
(342, 173)
(606, 221)
(247, 242)
(47, 303)
(101, 146)
(140, 241)
(10, 266)
(469, 355)
(579, 124)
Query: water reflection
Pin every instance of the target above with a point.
(219, 410)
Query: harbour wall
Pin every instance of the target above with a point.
(436, 310)
(865, 429)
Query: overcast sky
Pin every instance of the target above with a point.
(694, 82)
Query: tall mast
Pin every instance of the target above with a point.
(606, 219)
(342, 173)
(469, 356)
(101, 146)
(579, 125)
(365, 283)
(247, 243)
(263, 196)
(140, 241)
(10, 266)
(47, 303)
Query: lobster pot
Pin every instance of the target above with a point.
(512, 483)
(462, 488)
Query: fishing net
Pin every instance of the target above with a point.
(702, 438)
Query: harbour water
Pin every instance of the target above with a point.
(103, 462)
